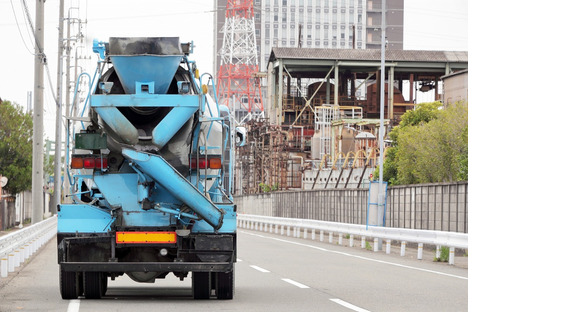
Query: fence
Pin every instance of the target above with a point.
(14, 210)
(436, 206)
(19, 245)
(436, 238)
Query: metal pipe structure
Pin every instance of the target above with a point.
(161, 172)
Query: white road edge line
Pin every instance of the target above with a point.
(359, 257)
(74, 305)
(287, 280)
(259, 269)
(348, 305)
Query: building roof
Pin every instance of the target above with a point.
(457, 73)
(369, 55)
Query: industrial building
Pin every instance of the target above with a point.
(319, 64)
(336, 24)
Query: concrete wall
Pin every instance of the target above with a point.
(455, 87)
(11, 209)
(437, 206)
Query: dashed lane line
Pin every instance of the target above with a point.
(74, 305)
(259, 269)
(295, 283)
(349, 305)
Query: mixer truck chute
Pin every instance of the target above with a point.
(150, 176)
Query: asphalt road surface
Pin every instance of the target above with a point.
(273, 273)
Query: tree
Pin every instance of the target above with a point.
(15, 147)
(429, 145)
(435, 151)
(423, 113)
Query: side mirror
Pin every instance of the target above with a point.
(241, 134)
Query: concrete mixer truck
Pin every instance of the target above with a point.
(150, 175)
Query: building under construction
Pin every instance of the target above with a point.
(322, 114)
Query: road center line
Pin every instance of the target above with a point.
(287, 280)
(348, 305)
(74, 305)
(259, 269)
(359, 257)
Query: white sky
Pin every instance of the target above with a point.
(429, 25)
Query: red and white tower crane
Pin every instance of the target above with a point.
(238, 86)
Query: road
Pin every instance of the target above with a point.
(273, 273)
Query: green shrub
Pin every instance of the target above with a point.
(443, 255)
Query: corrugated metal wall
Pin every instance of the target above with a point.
(438, 206)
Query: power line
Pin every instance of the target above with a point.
(44, 59)
(19, 32)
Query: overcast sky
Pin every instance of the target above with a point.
(429, 25)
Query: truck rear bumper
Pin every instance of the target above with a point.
(147, 266)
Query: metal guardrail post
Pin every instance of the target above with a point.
(17, 247)
(436, 238)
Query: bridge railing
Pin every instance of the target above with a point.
(437, 238)
(17, 247)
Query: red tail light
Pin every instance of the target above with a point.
(101, 163)
(88, 162)
(203, 163)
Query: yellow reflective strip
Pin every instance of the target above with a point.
(146, 237)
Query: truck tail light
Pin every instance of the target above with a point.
(205, 163)
(88, 162)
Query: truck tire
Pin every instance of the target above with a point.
(69, 284)
(201, 285)
(93, 285)
(104, 283)
(225, 285)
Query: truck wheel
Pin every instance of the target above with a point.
(93, 285)
(225, 285)
(201, 285)
(104, 283)
(69, 287)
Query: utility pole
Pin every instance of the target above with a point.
(37, 118)
(57, 148)
(381, 197)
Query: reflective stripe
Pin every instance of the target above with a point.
(146, 237)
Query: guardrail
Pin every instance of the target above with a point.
(18, 246)
(437, 238)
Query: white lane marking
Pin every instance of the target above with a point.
(259, 269)
(287, 280)
(74, 305)
(359, 257)
(239, 260)
(348, 305)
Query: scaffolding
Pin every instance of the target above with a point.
(324, 116)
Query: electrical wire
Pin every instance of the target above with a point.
(41, 52)
(19, 31)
